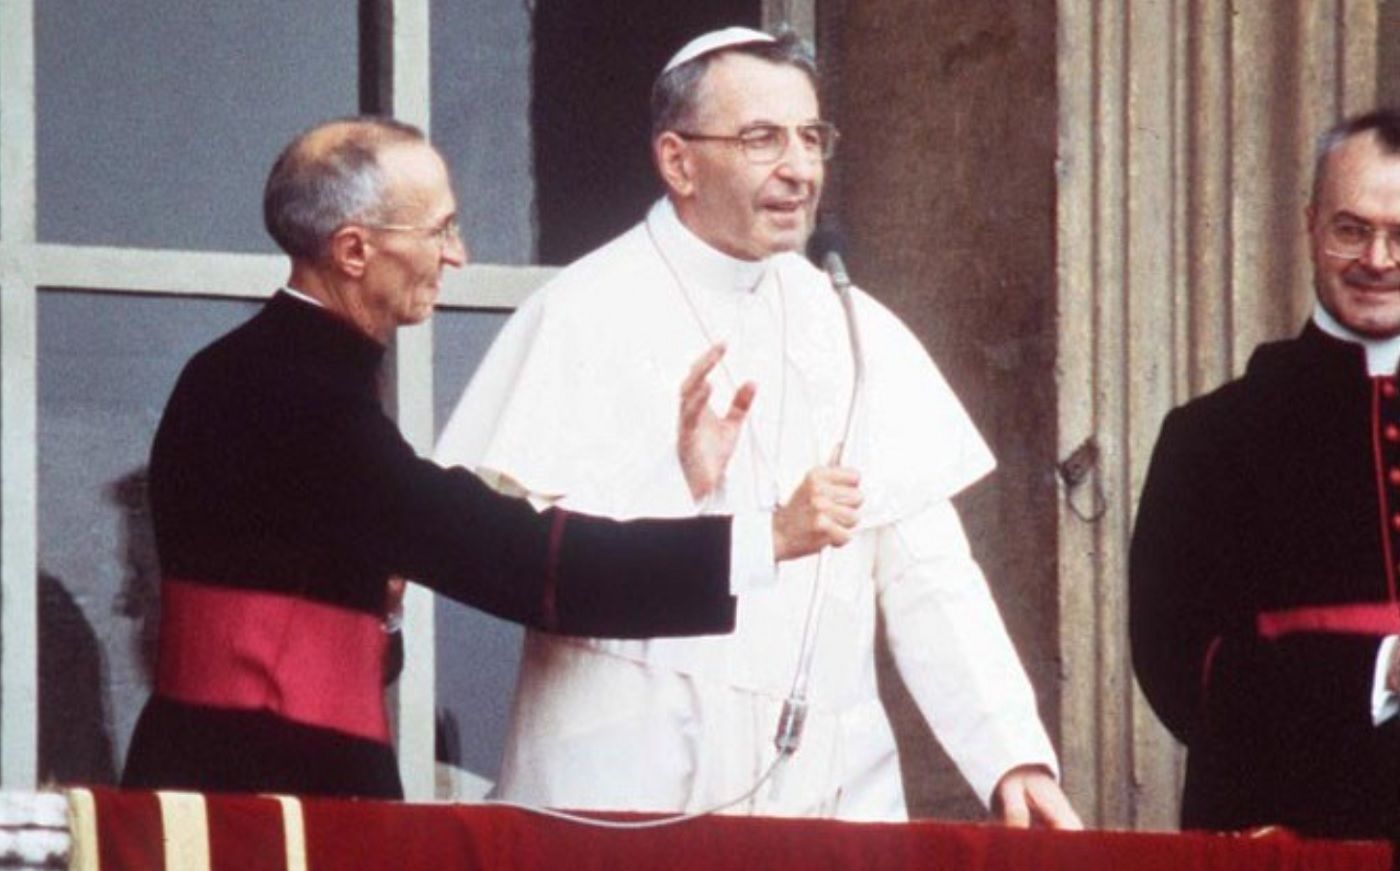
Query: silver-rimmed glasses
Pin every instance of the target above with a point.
(447, 231)
(1349, 238)
(767, 143)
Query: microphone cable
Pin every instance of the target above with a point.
(788, 736)
(625, 825)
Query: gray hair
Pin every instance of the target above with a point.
(675, 95)
(328, 176)
(1385, 123)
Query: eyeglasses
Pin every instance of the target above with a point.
(447, 231)
(1350, 239)
(767, 143)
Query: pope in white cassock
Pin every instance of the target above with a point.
(575, 403)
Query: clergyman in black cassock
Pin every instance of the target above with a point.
(1264, 561)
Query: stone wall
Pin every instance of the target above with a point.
(944, 188)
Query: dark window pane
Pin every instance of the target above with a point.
(477, 655)
(107, 364)
(158, 121)
(594, 64)
(481, 122)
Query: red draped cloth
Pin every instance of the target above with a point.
(251, 833)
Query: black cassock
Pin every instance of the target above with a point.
(283, 500)
(1262, 579)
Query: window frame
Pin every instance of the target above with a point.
(395, 63)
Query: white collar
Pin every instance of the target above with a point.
(1382, 355)
(293, 292)
(700, 263)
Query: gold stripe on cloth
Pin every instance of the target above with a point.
(82, 827)
(293, 831)
(186, 826)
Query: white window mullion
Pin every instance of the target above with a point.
(19, 682)
(146, 270)
(410, 96)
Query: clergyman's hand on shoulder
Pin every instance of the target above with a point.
(823, 511)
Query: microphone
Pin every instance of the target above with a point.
(836, 268)
(824, 250)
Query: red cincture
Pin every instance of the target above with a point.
(307, 661)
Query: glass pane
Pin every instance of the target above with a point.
(477, 655)
(481, 122)
(461, 337)
(107, 363)
(158, 121)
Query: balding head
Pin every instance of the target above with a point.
(1382, 125)
(328, 176)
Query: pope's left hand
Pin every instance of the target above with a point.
(1028, 795)
(706, 440)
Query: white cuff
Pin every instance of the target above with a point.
(1384, 703)
(751, 565)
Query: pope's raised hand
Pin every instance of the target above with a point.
(822, 512)
(706, 441)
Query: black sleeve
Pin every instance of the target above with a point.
(643, 577)
(559, 571)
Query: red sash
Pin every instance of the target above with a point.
(306, 661)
